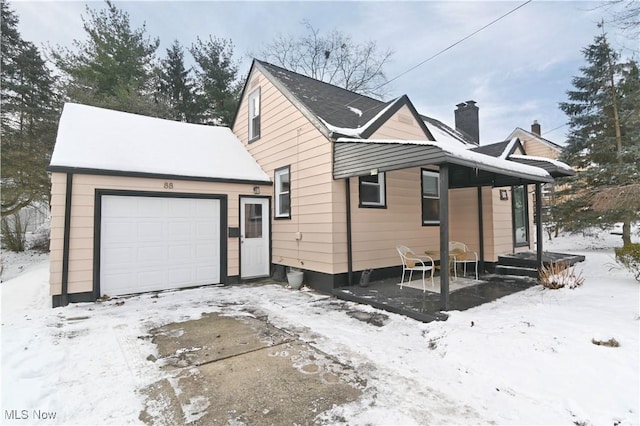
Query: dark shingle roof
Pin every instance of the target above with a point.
(494, 149)
(337, 106)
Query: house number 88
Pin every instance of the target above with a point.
(168, 185)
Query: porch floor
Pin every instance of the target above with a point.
(387, 295)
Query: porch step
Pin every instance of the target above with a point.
(516, 262)
(519, 271)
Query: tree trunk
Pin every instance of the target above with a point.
(626, 232)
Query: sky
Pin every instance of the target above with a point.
(517, 69)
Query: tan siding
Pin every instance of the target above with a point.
(376, 232)
(287, 138)
(82, 220)
(537, 149)
(402, 125)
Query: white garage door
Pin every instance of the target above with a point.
(158, 243)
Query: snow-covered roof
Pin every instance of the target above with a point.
(469, 156)
(101, 139)
(444, 134)
(556, 163)
(357, 131)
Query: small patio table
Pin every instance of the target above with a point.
(452, 256)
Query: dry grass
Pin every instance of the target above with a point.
(625, 197)
(612, 343)
(559, 275)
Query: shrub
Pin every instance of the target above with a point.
(13, 233)
(558, 275)
(39, 240)
(629, 257)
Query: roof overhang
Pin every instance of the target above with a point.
(359, 157)
(554, 167)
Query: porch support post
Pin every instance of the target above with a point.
(349, 247)
(539, 224)
(444, 236)
(480, 231)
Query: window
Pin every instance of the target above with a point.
(430, 198)
(283, 193)
(372, 191)
(520, 209)
(254, 115)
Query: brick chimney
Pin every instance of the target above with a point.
(535, 128)
(466, 116)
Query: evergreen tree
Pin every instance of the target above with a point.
(113, 67)
(603, 143)
(176, 86)
(29, 117)
(217, 85)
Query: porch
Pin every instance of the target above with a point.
(457, 168)
(412, 302)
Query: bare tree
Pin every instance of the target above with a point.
(624, 14)
(334, 58)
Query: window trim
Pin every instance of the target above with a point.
(525, 207)
(250, 98)
(382, 189)
(276, 180)
(422, 196)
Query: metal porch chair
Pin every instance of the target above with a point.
(412, 262)
(460, 253)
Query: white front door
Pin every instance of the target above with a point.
(254, 237)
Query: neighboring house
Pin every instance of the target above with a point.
(313, 177)
(537, 146)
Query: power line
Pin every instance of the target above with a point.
(555, 128)
(454, 44)
(445, 49)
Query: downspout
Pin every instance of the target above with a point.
(480, 231)
(539, 225)
(64, 297)
(349, 246)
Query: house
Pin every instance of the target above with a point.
(310, 176)
(354, 176)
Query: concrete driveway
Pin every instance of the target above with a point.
(227, 370)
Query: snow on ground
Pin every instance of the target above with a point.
(525, 359)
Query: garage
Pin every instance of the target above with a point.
(151, 243)
(142, 204)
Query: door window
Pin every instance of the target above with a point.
(253, 221)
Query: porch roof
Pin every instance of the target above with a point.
(359, 157)
(554, 167)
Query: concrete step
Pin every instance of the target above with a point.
(517, 271)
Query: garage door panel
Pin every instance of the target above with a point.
(180, 230)
(171, 245)
(206, 251)
(202, 274)
(151, 254)
(121, 231)
(118, 256)
(206, 230)
(180, 252)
